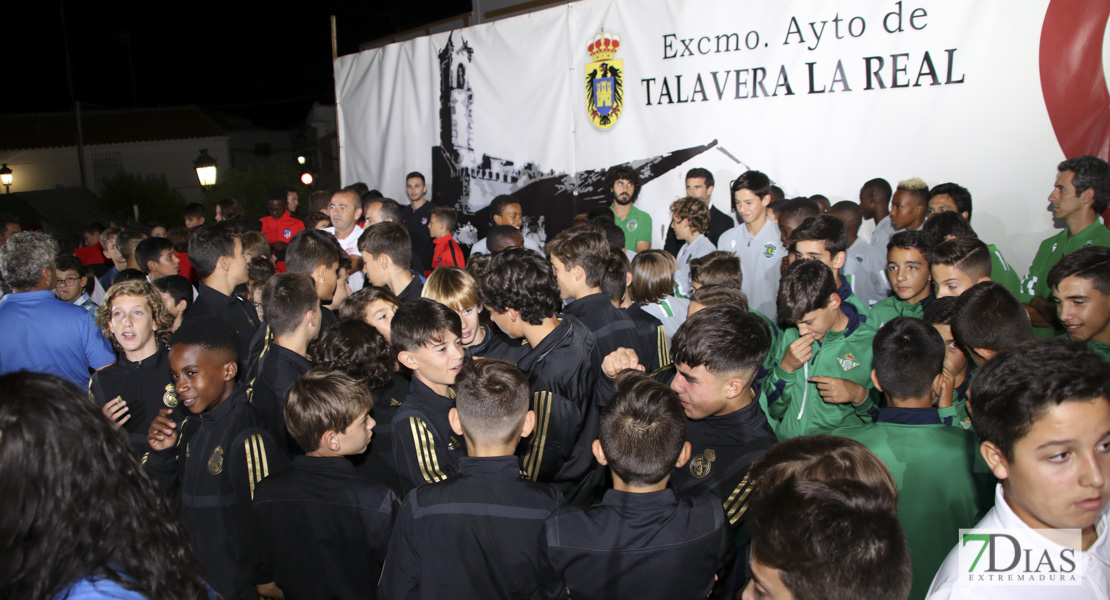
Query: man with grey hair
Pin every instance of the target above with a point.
(42, 333)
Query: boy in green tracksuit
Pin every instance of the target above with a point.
(956, 371)
(1080, 195)
(922, 453)
(1080, 285)
(907, 268)
(825, 238)
(822, 369)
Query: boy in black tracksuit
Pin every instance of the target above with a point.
(324, 498)
(642, 540)
(477, 534)
(211, 463)
(292, 310)
(132, 390)
(520, 292)
(425, 335)
(580, 258)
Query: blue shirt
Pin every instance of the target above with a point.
(47, 335)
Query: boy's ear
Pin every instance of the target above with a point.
(230, 370)
(684, 455)
(224, 263)
(318, 273)
(984, 278)
(406, 358)
(330, 440)
(599, 454)
(383, 261)
(838, 260)
(149, 266)
(529, 424)
(736, 386)
(834, 301)
(181, 305)
(996, 460)
(453, 419)
(578, 272)
(875, 380)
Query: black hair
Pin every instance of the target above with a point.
(828, 539)
(614, 234)
(909, 354)
(194, 210)
(500, 202)
(941, 310)
(414, 175)
(360, 188)
(209, 332)
(879, 187)
(919, 240)
(806, 286)
(128, 275)
(1091, 172)
(615, 174)
(92, 228)
(351, 346)
(78, 504)
(311, 248)
(286, 298)
(822, 228)
(1015, 388)
(178, 287)
(503, 236)
(522, 280)
(959, 194)
(948, 223)
(754, 181)
(69, 262)
(390, 210)
(642, 429)
(615, 282)
(422, 322)
(988, 316)
(208, 244)
(1091, 263)
(231, 210)
(970, 255)
(388, 238)
(724, 338)
(700, 173)
(151, 249)
(492, 398)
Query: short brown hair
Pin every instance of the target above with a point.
(652, 276)
(713, 295)
(492, 398)
(254, 244)
(806, 286)
(445, 215)
(717, 268)
(322, 401)
(390, 239)
(824, 458)
(694, 211)
(162, 319)
(584, 247)
(354, 307)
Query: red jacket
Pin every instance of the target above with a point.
(447, 252)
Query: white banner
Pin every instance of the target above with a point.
(821, 96)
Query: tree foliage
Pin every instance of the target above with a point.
(249, 186)
(157, 201)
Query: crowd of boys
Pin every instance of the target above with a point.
(792, 406)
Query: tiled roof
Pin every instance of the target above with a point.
(48, 130)
(60, 211)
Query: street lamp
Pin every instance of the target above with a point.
(206, 169)
(6, 177)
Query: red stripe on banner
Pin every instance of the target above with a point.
(1072, 79)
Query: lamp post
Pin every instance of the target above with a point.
(206, 169)
(6, 177)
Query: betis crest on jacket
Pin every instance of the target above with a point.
(604, 80)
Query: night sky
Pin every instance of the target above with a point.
(267, 62)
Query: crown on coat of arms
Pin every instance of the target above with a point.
(604, 46)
